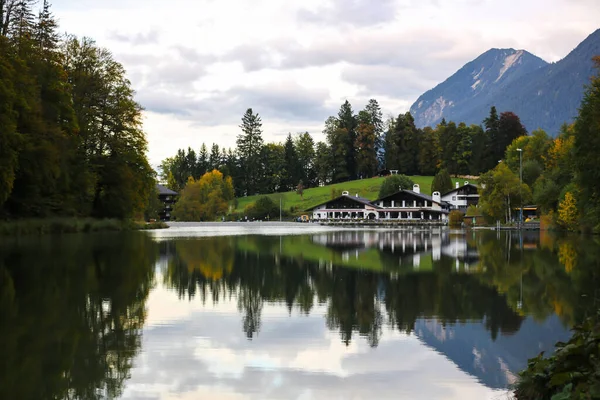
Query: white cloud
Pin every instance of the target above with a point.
(197, 65)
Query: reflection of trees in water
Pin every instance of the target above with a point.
(541, 277)
(359, 301)
(71, 314)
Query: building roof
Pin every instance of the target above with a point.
(358, 199)
(165, 191)
(420, 195)
(460, 187)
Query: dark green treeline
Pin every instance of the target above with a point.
(356, 146)
(71, 142)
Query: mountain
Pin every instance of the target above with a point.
(543, 95)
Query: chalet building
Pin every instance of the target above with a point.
(167, 197)
(346, 207)
(402, 205)
(461, 197)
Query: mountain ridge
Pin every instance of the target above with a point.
(544, 95)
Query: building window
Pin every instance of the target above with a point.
(453, 198)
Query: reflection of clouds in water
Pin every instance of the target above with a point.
(193, 351)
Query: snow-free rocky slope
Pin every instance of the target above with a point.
(543, 95)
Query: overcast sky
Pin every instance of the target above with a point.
(197, 65)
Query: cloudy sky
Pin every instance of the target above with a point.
(197, 65)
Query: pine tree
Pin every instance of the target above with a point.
(347, 122)
(492, 153)
(292, 164)
(203, 163)
(305, 148)
(374, 111)
(322, 163)
(429, 152)
(366, 146)
(249, 146)
(214, 161)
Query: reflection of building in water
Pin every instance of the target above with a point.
(408, 246)
(457, 247)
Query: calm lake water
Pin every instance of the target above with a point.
(248, 311)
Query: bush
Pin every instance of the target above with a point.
(455, 218)
(573, 372)
(393, 183)
(472, 211)
(263, 208)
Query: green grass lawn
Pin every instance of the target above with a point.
(367, 188)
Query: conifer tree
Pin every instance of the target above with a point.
(249, 146)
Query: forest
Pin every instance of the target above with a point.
(71, 139)
(357, 146)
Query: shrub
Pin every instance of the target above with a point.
(573, 372)
(455, 218)
(263, 208)
(393, 183)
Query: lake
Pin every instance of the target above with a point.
(286, 311)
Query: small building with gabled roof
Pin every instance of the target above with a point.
(461, 197)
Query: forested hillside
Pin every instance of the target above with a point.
(71, 142)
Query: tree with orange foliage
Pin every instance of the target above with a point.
(204, 199)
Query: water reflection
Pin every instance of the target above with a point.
(72, 313)
(486, 306)
(385, 314)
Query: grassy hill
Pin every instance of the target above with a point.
(367, 188)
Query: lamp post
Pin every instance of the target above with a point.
(521, 186)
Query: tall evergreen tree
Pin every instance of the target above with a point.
(322, 163)
(292, 164)
(405, 141)
(347, 122)
(275, 167)
(249, 146)
(305, 147)
(338, 146)
(391, 150)
(492, 127)
(462, 156)
(203, 162)
(366, 146)
(429, 152)
(374, 111)
(479, 145)
(214, 160)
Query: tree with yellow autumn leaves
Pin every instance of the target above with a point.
(204, 199)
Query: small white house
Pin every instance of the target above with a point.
(461, 197)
